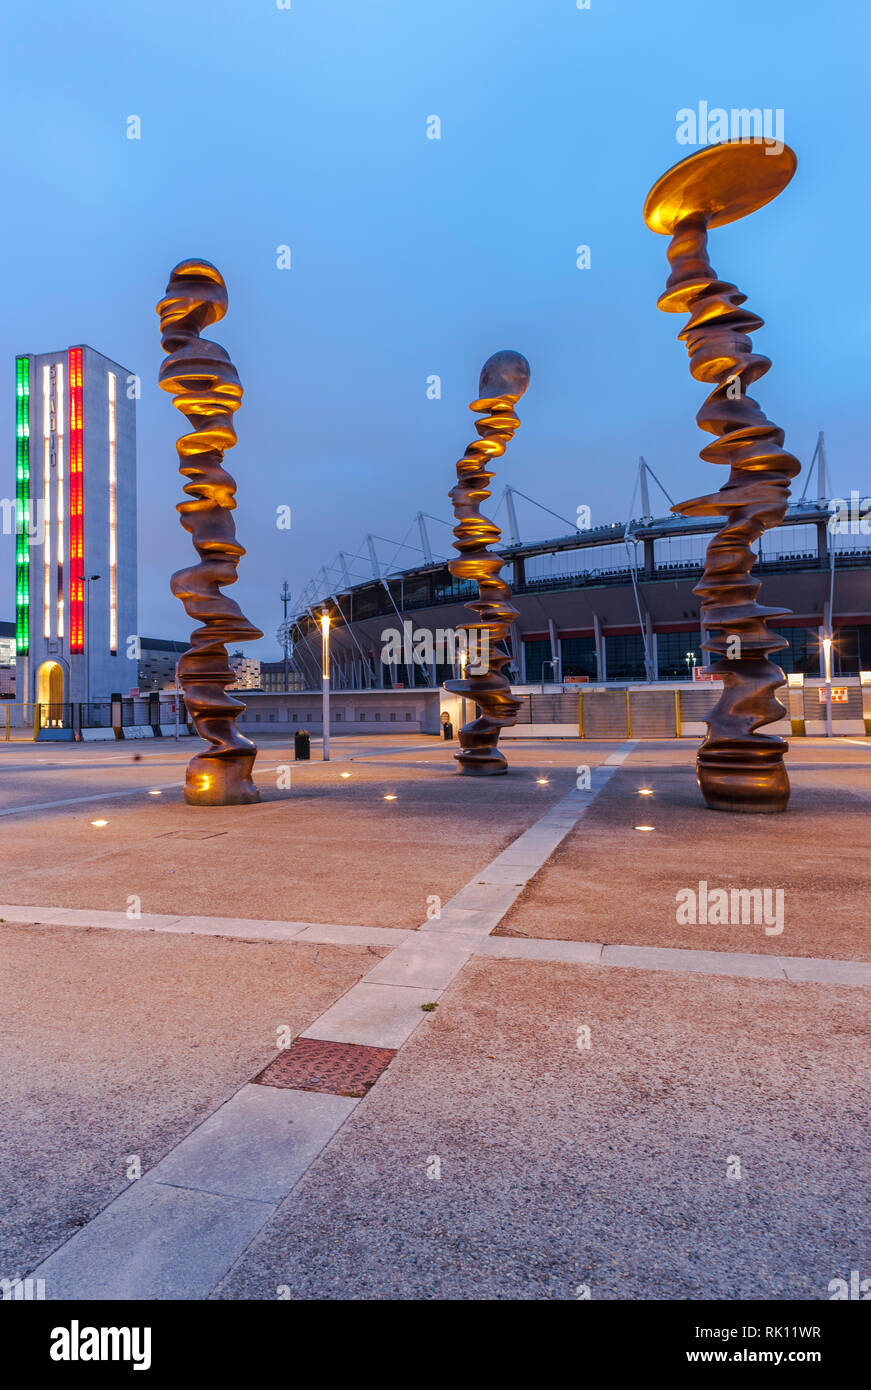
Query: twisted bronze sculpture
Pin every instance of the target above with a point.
(207, 390)
(738, 768)
(504, 378)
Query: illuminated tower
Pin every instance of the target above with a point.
(76, 518)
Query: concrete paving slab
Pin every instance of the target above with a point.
(491, 898)
(154, 1241)
(707, 962)
(375, 1015)
(387, 937)
(14, 913)
(510, 873)
(478, 923)
(841, 972)
(237, 927)
(256, 1145)
(509, 947)
(428, 963)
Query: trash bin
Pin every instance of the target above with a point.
(448, 729)
(301, 745)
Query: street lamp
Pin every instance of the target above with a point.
(690, 660)
(88, 580)
(552, 665)
(827, 657)
(325, 680)
(464, 657)
(285, 599)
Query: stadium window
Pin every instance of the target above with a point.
(671, 654)
(537, 652)
(578, 656)
(417, 593)
(845, 651)
(624, 657)
(803, 652)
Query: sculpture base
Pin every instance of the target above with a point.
(220, 781)
(484, 762)
(744, 778)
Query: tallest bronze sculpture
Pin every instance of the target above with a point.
(739, 769)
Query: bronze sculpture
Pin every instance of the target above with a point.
(738, 768)
(504, 378)
(207, 390)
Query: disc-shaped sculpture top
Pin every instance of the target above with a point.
(721, 182)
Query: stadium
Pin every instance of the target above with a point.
(609, 604)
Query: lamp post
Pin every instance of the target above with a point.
(88, 580)
(325, 680)
(827, 657)
(690, 660)
(177, 699)
(464, 657)
(285, 599)
(552, 665)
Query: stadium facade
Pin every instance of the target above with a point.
(609, 604)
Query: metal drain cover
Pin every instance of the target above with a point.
(341, 1069)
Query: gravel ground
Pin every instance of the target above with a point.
(330, 849)
(609, 882)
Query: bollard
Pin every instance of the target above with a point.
(301, 745)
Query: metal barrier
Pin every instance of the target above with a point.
(604, 714)
(26, 721)
(96, 715)
(17, 720)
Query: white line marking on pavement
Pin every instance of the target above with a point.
(80, 800)
(108, 796)
(427, 961)
(484, 901)
(621, 754)
(244, 928)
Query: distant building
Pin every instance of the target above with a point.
(7, 644)
(272, 677)
(7, 661)
(157, 662)
(75, 524)
(247, 669)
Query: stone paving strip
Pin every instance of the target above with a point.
(426, 960)
(176, 1231)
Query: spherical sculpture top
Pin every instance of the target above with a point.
(506, 373)
(719, 182)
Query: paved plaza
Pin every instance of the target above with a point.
(579, 1092)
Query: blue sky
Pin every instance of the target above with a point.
(263, 127)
